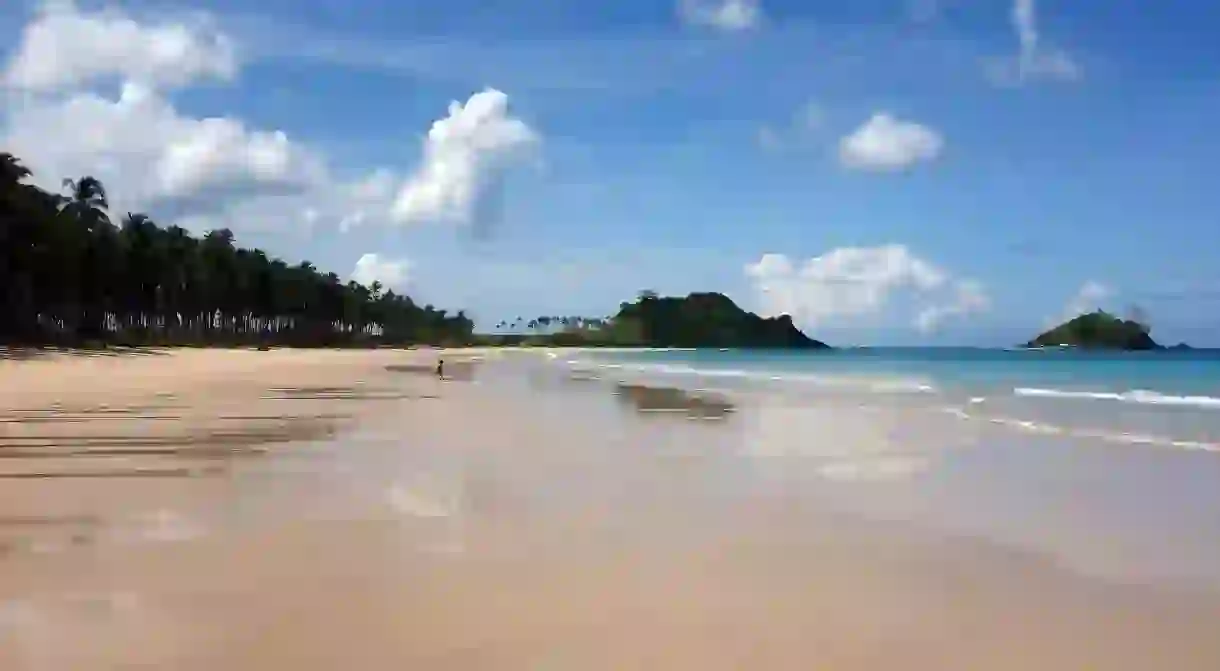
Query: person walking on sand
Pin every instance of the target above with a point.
(440, 369)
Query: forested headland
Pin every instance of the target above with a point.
(695, 320)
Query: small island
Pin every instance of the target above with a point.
(704, 320)
(1098, 330)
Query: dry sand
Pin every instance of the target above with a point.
(665, 584)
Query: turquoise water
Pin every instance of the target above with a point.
(1189, 378)
(1164, 398)
(1099, 458)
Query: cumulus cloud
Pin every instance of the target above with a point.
(850, 283)
(887, 144)
(724, 15)
(149, 153)
(63, 48)
(1034, 60)
(466, 155)
(391, 273)
(220, 171)
(968, 297)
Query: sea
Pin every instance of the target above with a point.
(1169, 398)
(1108, 461)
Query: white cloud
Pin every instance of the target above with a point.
(805, 123)
(63, 48)
(367, 199)
(725, 15)
(216, 171)
(351, 221)
(886, 144)
(1088, 298)
(465, 157)
(850, 283)
(1034, 60)
(392, 273)
(149, 153)
(969, 297)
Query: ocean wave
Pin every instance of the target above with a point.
(855, 382)
(1117, 437)
(1140, 396)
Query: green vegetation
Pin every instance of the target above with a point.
(698, 320)
(68, 275)
(1098, 330)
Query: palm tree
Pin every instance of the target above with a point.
(66, 272)
(87, 201)
(12, 172)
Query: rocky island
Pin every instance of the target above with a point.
(1098, 330)
(706, 320)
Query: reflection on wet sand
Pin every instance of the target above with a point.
(457, 368)
(30, 353)
(694, 404)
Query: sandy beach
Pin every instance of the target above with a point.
(298, 509)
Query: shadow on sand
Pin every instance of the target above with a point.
(18, 353)
(462, 370)
(694, 405)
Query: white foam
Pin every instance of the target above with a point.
(1145, 439)
(1027, 426)
(1141, 396)
(1118, 437)
(956, 412)
(858, 382)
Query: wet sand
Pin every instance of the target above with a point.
(466, 525)
(86, 439)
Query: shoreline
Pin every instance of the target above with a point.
(538, 534)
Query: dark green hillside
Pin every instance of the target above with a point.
(703, 320)
(1098, 330)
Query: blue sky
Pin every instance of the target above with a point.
(665, 151)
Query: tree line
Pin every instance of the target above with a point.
(70, 275)
(549, 323)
